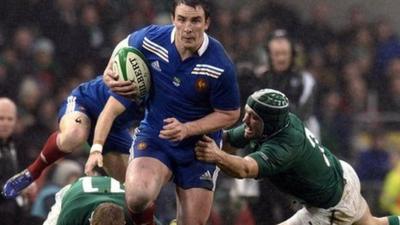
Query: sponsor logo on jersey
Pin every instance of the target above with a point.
(264, 156)
(156, 65)
(201, 84)
(176, 81)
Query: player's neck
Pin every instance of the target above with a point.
(186, 52)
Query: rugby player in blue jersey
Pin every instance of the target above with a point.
(77, 118)
(194, 92)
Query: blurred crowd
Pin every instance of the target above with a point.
(47, 47)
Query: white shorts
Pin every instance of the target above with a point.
(350, 208)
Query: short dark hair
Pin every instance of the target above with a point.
(108, 214)
(193, 3)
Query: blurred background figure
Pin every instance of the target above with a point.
(390, 196)
(372, 165)
(11, 211)
(284, 75)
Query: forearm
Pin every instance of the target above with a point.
(106, 118)
(214, 121)
(234, 166)
(102, 129)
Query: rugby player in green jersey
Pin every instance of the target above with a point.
(287, 153)
(90, 201)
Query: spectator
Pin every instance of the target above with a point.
(390, 196)
(374, 163)
(10, 210)
(283, 75)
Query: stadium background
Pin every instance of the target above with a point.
(351, 47)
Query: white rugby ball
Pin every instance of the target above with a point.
(130, 64)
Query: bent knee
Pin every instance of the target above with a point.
(72, 138)
(138, 201)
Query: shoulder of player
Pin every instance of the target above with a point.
(291, 137)
(156, 32)
(218, 57)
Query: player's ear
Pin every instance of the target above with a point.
(207, 23)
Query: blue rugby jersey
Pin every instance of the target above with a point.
(93, 95)
(187, 90)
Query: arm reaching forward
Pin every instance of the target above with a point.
(111, 110)
(235, 166)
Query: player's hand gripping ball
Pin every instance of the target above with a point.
(130, 64)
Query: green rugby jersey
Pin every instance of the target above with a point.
(85, 195)
(296, 163)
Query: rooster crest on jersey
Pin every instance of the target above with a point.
(131, 65)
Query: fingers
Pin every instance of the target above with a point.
(168, 133)
(100, 163)
(89, 170)
(94, 160)
(172, 130)
(207, 138)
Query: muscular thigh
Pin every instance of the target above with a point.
(146, 175)
(115, 165)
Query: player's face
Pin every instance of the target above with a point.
(8, 119)
(254, 124)
(281, 54)
(190, 24)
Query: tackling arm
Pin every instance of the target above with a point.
(235, 166)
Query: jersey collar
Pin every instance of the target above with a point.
(203, 46)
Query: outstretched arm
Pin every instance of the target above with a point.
(235, 166)
(111, 110)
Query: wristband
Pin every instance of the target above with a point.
(96, 148)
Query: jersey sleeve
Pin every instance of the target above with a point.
(235, 137)
(273, 158)
(121, 99)
(225, 93)
(136, 38)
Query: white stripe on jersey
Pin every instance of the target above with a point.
(210, 67)
(156, 49)
(205, 73)
(208, 70)
(71, 103)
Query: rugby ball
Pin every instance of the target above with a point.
(130, 64)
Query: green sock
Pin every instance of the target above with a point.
(394, 220)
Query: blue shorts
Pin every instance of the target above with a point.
(188, 172)
(118, 140)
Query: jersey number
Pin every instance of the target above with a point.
(88, 186)
(314, 142)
